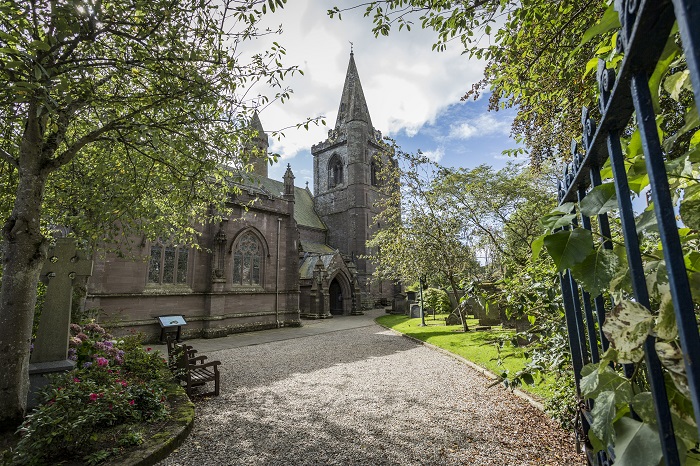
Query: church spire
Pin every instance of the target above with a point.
(258, 146)
(353, 106)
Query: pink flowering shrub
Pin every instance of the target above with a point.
(91, 342)
(114, 384)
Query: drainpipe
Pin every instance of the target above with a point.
(277, 275)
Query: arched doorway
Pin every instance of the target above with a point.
(335, 296)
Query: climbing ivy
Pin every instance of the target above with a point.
(623, 415)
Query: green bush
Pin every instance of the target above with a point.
(437, 300)
(116, 382)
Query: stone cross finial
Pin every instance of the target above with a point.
(63, 264)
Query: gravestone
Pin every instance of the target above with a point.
(415, 310)
(64, 263)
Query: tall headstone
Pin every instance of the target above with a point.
(64, 263)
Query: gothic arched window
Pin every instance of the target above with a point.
(375, 168)
(335, 172)
(247, 260)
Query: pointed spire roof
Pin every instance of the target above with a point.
(353, 106)
(256, 124)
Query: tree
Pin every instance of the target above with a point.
(418, 238)
(505, 222)
(115, 113)
(534, 54)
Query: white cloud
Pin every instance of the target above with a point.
(406, 84)
(435, 155)
(483, 125)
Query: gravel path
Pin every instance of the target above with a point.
(364, 396)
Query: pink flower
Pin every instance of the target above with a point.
(93, 396)
(149, 348)
(76, 380)
(131, 402)
(102, 362)
(81, 336)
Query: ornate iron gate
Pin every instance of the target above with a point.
(645, 28)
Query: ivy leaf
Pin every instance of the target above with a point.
(637, 444)
(596, 271)
(665, 327)
(656, 277)
(676, 82)
(690, 212)
(596, 379)
(627, 329)
(568, 248)
(643, 405)
(600, 200)
(646, 221)
(604, 413)
(672, 359)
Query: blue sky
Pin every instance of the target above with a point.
(412, 92)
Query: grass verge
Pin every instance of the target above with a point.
(490, 349)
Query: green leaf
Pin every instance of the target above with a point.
(627, 328)
(604, 413)
(600, 200)
(690, 212)
(692, 121)
(596, 379)
(568, 248)
(669, 54)
(665, 325)
(565, 208)
(536, 246)
(643, 405)
(672, 359)
(608, 22)
(596, 271)
(636, 444)
(646, 221)
(676, 82)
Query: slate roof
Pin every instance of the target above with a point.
(306, 269)
(304, 212)
(317, 248)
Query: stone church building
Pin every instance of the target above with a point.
(283, 254)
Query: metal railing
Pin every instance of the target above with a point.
(645, 28)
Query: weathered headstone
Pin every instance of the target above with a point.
(64, 263)
(415, 310)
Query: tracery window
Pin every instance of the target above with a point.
(168, 265)
(247, 260)
(335, 172)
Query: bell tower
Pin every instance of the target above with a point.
(346, 191)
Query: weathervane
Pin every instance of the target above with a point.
(350, 46)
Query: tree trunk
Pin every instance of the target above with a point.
(462, 315)
(24, 254)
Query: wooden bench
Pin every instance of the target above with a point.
(192, 370)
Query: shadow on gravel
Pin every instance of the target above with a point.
(253, 366)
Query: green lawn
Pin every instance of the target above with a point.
(479, 347)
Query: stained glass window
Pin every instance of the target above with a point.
(247, 259)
